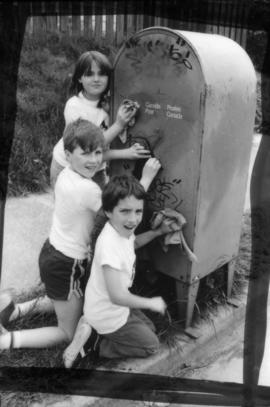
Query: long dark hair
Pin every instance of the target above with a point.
(84, 67)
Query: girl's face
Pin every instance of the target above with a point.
(95, 83)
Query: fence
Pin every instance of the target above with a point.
(113, 27)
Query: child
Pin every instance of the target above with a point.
(64, 256)
(110, 309)
(89, 86)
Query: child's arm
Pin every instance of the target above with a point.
(124, 115)
(150, 170)
(120, 294)
(144, 238)
(135, 152)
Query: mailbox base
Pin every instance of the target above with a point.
(187, 294)
(186, 298)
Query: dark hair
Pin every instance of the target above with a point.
(84, 134)
(84, 67)
(120, 187)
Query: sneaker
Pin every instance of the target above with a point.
(71, 359)
(7, 306)
(84, 343)
(91, 346)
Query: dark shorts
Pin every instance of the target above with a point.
(62, 275)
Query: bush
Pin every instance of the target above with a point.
(256, 47)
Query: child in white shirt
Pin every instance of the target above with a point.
(112, 321)
(89, 86)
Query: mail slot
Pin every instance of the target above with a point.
(197, 97)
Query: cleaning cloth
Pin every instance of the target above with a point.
(175, 220)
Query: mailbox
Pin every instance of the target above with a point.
(197, 96)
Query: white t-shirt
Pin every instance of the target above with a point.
(80, 107)
(117, 252)
(77, 199)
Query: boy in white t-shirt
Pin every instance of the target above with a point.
(112, 323)
(64, 255)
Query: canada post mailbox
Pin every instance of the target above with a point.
(197, 96)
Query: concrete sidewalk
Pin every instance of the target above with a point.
(26, 226)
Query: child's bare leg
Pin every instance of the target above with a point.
(68, 314)
(82, 333)
(33, 338)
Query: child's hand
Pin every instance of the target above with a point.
(137, 151)
(151, 168)
(168, 226)
(124, 115)
(158, 305)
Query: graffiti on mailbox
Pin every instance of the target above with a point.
(150, 56)
(163, 194)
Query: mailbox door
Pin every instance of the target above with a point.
(160, 70)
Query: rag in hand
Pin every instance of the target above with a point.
(174, 220)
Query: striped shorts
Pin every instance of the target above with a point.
(61, 275)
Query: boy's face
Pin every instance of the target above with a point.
(84, 163)
(126, 215)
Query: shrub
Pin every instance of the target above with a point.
(256, 47)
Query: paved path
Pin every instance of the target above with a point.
(27, 222)
(26, 226)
